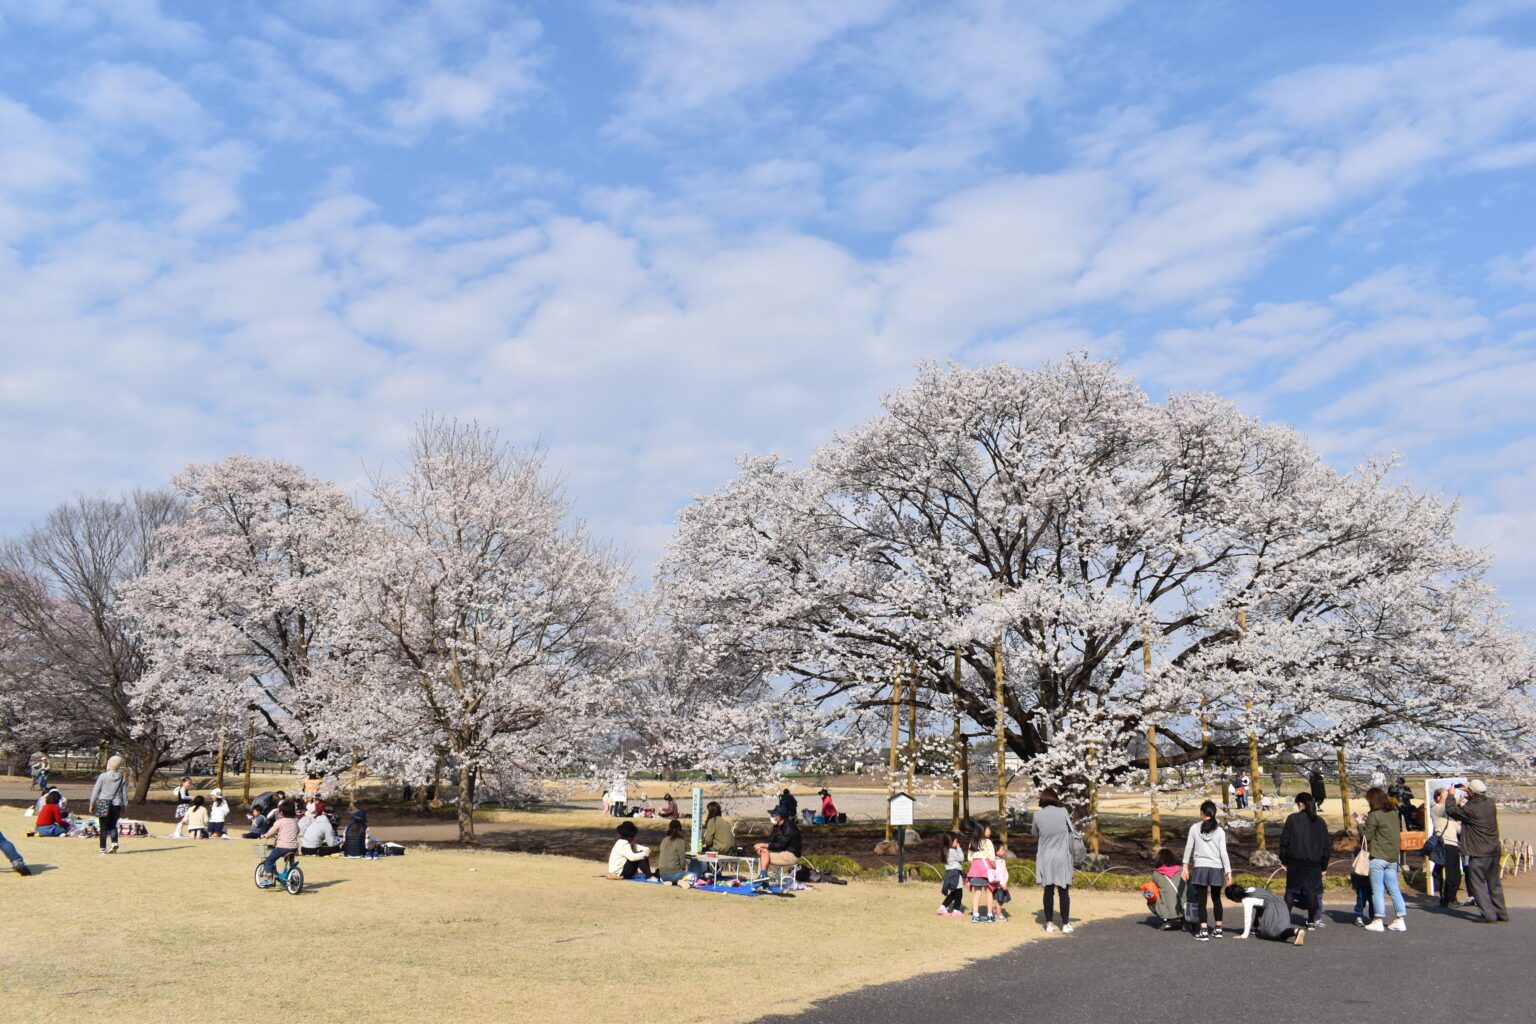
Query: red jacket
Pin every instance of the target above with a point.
(50, 815)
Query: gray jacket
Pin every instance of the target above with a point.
(1053, 859)
(111, 786)
(1207, 849)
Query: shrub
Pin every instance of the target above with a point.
(832, 864)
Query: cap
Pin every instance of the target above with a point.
(1478, 786)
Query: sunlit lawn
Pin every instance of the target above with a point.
(175, 931)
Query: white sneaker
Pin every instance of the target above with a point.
(1066, 929)
(1376, 926)
(1400, 925)
(1050, 926)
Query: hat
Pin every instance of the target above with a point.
(1478, 786)
(359, 816)
(627, 830)
(217, 792)
(778, 812)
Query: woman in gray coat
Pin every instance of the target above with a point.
(1053, 859)
(109, 799)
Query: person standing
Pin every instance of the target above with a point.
(1380, 833)
(183, 797)
(40, 770)
(1447, 873)
(109, 799)
(8, 851)
(1207, 867)
(218, 815)
(1479, 817)
(1053, 860)
(1304, 850)
(1319, 791)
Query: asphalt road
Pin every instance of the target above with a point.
(1445, 968)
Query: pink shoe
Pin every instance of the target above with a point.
(943, 912)
(956, 913)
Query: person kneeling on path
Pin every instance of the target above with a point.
(626, 859)
(1168, 906)
(783, 846)
(1268, 912)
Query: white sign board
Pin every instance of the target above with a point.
(901, 809)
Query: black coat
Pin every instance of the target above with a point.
(1304, 840)
(1319, 791)
(785, 837)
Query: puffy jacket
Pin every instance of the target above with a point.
(1304, 840)
(1479, 819)
(785, 837)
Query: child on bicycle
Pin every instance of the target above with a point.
(284, 834)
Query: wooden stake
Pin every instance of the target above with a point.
(1157, 813)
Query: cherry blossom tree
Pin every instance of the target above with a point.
(237, 612)
(1055, 521)
(72, 663)
(488, 626)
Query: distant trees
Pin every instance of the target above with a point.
(70, 662)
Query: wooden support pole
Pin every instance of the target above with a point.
(954, 799)
(250, 743)
(911, 729)
(1255, 786)
(895, 742)
(1343, 788)
(1157, 812)
(219, 771)
(1002, 745)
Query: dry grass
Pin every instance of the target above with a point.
(471, 936)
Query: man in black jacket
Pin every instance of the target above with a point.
(1479, 818)
(783, 846)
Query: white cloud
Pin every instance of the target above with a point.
(134, 98)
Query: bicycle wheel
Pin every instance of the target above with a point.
(264, 878)
(295, 880)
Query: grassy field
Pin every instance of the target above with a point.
(176, 931)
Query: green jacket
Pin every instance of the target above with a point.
(1380, 834)
(672, 857)
(718, 835)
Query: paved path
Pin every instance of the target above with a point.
(1444, 968)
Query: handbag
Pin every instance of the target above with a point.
(1434, 850)
(1361, 865)
(101, 808)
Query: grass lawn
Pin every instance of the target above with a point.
(169, 931)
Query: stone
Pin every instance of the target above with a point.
(886, 848)
(911, 837)
(1096, 862)
(1263, 859)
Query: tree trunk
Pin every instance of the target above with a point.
(144, 760)
(466, 803)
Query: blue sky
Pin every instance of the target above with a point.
(659, 235)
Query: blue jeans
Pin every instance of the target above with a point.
(9, 851)
(53, 830)
(672, 876)
(278, 853)
(1363, 902)
(1384, 879)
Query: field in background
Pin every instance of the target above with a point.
(176, 931)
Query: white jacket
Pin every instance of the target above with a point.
(623, 851)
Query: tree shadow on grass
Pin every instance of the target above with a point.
(151, 849)
(308, 885)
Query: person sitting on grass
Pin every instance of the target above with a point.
(318, 838)
(783, 846)
(59, 798)
(50, 821)
(669, 808)
(1169, 905)
(672, 856)
(284, 833)
(258, 827)
(627, 859)
(1266, 911)
(195, 822)
(354, 840)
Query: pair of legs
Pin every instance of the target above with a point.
(9, 853)
(1048, 903)
(277, 854)
(1484, 885)
(635, 869)
(53, 830)
(981, 894)
(1363, 911)
(1200, 893)
(954, 900)
(109, 828)
(1448, 876)
(1384, 882)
